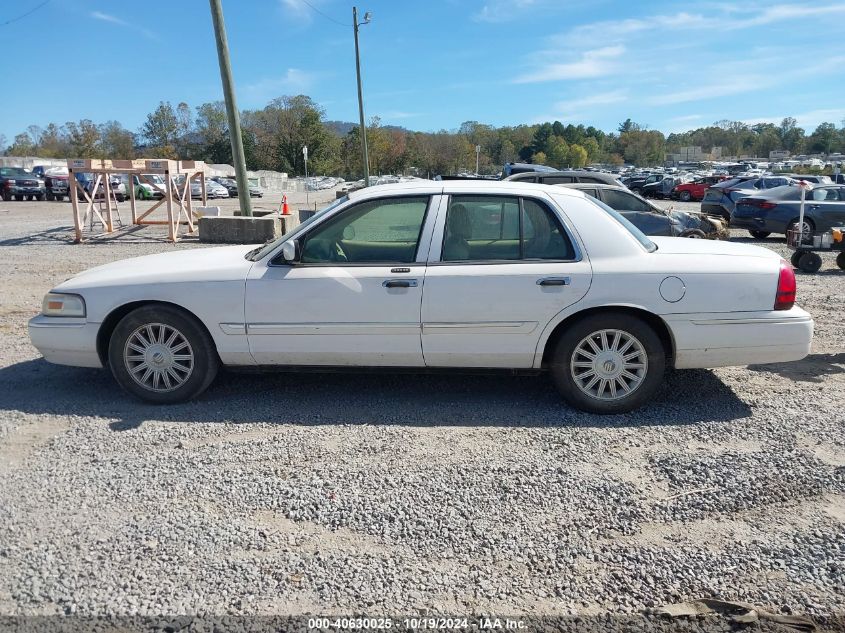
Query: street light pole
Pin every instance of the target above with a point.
(305, 157)
(231, 107)
(363, 130)
(477, 152)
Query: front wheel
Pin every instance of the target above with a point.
(696, 234)
(163, 355)
(608, 363)
(760, 235)
(685, 196)
(794, 258)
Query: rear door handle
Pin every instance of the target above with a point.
(553, 281)
(399, 283)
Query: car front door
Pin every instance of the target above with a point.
(500, 268)
(353, 296)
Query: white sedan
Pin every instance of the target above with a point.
(423, 274)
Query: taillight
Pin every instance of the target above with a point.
(756, 202)
(785, 297)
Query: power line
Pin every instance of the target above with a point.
(328, 17)
(30, 12)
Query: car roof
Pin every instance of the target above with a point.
(429, 187)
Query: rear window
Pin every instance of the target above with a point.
(641, 237)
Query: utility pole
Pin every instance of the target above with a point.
(231, 107)
(305, 156)
(363, 130)
(477, 153)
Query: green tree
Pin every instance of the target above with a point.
(84, 139)
(577, 156)
(161, 129)
(117, 141)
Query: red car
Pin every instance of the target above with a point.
(694, 190)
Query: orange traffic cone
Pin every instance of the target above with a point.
(285, 207)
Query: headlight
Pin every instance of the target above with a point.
(11, 182)
(63, 305)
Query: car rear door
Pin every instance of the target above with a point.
(500, 268)
(354, 296)
(826, 207)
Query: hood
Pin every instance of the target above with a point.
(224, 263)
(677, 245)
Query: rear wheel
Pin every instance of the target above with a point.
(18, 198)
(50, 197)
(608, 363)
(7, 196)
(840, 260)
(39, 197)
(809, 262)
(809, 227)
(162, 354)
(760, 235)
(685, 196)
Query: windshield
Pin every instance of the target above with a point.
(258, 253)
(642, 238)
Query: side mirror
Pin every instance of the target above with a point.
(290, 251)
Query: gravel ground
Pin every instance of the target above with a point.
(285, 494)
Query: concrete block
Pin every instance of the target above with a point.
(238, 230)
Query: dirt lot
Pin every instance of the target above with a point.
(408, 494)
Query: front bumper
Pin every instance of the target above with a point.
(26, 191)
(740, 338)
(65, 341)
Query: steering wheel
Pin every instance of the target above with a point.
(339, 255)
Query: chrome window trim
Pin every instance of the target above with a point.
(426, 227)
(550, 205)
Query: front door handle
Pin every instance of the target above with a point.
(553, 281)
(399, 283)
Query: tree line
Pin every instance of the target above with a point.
(274, 136)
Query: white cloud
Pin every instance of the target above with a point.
(297, 11)
(598, 99)
(105, 17)
(598, 62)
(399, 114)
(710, 91)
(294, 81)
(502, 10)
(111, 19)
(808, 120)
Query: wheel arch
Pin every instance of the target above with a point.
(656, 322)
(113, 318)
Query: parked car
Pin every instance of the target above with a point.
(18, 183)
(815, 180)
(116, 186)
(215, 190)
(230, 184)
(563, 177)
(777, 210)
(661, 188)
(56, 183)
(518, 168)
(694, 190)
(148, 186)
(637, 183)
(653, 220)
(721, 197)
(39, 170)
(517, 277)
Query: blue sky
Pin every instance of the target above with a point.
(433, 64)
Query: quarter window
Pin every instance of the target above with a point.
(496, 228)
(371, 232)
(621, 201)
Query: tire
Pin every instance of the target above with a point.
(794, 258)
(6, 196)
(809, 262)
(809, 226)
(120, 198)
(637, 190)
(760, 235)
(50, 197)
(685, 196)
(696, 234)
(30, 198)
(187, 338)
(39, 197)
(18, 198)
(634, 334)
(840, 260)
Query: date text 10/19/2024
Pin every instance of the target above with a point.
(417, 623)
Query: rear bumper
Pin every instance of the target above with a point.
(742, 338)
(65, 341)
